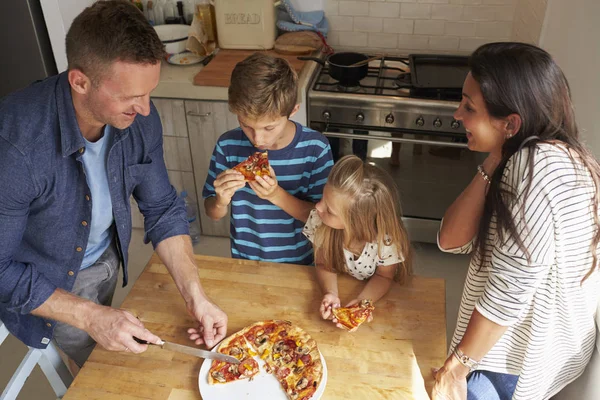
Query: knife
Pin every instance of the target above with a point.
(213, 355)
(208, 58)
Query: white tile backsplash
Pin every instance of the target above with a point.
(445, 26)
(415, 11)
(398, 25)
(429, 27)
(449, 12)
(385, 40)
(368, 24)
(385, 10)
(353, 8)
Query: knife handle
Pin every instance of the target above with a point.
(140, 341)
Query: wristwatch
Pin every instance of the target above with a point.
(465, 359)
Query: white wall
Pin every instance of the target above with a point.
(58, 15)
(528, 21)
(570, 33)
(411, 26)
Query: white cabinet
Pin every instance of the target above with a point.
(176, 151)
(206, 121)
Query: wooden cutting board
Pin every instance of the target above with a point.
(218, 71)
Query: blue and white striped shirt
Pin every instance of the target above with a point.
(261, 230)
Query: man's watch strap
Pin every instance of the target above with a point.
(465, 359)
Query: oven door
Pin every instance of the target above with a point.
(430, 170)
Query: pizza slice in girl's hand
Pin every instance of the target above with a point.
(352, 317)
(256, 164)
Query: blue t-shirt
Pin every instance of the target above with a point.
(94, 161)
(261, 230)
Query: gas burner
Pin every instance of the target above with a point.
(403, 81)
(348, 88)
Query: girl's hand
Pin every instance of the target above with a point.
(351, 303)
(330, 301)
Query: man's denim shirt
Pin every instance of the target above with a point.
(45, 204)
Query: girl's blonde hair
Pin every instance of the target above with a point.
(371, 213)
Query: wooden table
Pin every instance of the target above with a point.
(390, 358)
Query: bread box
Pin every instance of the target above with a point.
(245, 24)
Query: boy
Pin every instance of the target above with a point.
(268, 215)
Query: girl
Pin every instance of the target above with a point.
(525, 327)
(357, 229)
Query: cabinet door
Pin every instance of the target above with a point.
(176, 151)
(172, 116)
(207, 120)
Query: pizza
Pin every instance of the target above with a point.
(256, 164)
(352, 317)
(289, 353)
(223, 372)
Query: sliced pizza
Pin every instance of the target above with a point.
(256, 164)
(223, 372)
(352, 317)
(290, 354)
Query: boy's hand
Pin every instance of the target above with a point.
(226, 184)
(266, 188)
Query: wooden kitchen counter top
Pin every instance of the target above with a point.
(390, 358)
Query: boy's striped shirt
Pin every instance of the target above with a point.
(261, 230)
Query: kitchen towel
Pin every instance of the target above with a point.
(291, 20)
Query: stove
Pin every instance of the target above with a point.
(385, 99)
(407, 130)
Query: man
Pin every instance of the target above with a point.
(73, 149)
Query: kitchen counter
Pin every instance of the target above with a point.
(389, 358)
(176, 83)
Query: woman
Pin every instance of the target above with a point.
(530, 215)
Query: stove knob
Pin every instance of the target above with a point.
(437, 123)
(360, 117)
(455, 124)
(420, 121)
(326, 114)
(389, 119)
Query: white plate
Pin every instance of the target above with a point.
(185, 58)
(263, 386)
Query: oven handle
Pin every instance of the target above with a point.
(393, 139)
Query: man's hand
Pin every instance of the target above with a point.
(226, 184)
(212, 323)
(266, 187)
(114, 330)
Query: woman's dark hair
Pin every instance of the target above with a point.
(518, 78)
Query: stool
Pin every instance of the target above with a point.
(50, 362)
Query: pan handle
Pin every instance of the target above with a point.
(317, 59)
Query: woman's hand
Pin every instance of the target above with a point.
(450, 381)
(330, 301)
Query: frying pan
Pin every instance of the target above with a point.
(341, 69)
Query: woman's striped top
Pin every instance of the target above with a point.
(549, 312)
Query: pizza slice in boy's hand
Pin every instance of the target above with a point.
(352, 317)
(256, 164)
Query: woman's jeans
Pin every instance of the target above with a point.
(487, 385)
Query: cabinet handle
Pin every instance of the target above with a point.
(195, 114)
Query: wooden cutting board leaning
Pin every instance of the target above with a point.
(218, 71)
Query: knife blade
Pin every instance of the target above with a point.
(213, 355)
